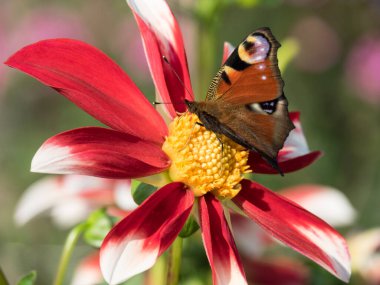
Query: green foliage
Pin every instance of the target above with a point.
(288, 51)
(141, 191)
(28, 279)
(98, 225)
(253, 3)
(190, 227)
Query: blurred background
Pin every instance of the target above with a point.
(334, 81)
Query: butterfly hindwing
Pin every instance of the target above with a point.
(245, 101)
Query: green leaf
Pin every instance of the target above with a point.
(190, 227)
(142, 191)
(253, 3)
(98, 225)
(28, 279)
(288, 51)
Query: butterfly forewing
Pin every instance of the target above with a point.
(245, 101)
(251, 73)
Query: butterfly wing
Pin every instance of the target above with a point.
(246, 96)
(250, 73)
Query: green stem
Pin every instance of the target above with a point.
(68, 249)
(174, 264)
(206, 60)
(208, 18)
(3, 280)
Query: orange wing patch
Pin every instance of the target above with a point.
(251, 73)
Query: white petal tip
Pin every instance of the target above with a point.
(51, 159)
(121, 261)
(344, 273)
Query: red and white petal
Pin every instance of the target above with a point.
(162, 37)
(295, 227)
(325, 202)
(99, 152)
(135, 243)
(95, 83)
(88, 271)
(228, 48)
(219, 244)
(295, 145)
(294, 156)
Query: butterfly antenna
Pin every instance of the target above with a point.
(176, 74)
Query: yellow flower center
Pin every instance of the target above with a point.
(204, 161)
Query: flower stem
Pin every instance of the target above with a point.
(208, 17)
(174, 263)
(3, 280)
(68, 249)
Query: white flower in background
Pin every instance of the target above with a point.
(365, 255)
(69, 199)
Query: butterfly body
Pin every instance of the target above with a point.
(245, 101)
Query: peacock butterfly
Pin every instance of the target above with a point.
(245, 101)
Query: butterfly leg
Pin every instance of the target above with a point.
(220, 141)
(191, 134)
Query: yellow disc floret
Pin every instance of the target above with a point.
(203, 160)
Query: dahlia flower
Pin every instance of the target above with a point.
(183, 159)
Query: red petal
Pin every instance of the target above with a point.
(99, 152)
(258, 165)
(135, 243)
(162, 37)
(219, 243)
(94, 82)
(295, 227)
(282, 271)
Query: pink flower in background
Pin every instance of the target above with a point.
(129, 44)
(138, 143)
(3, 37)
(70, 199)
(362, 69)
(88, 271)
(40, 23)
(47, 22)
(320, 46)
